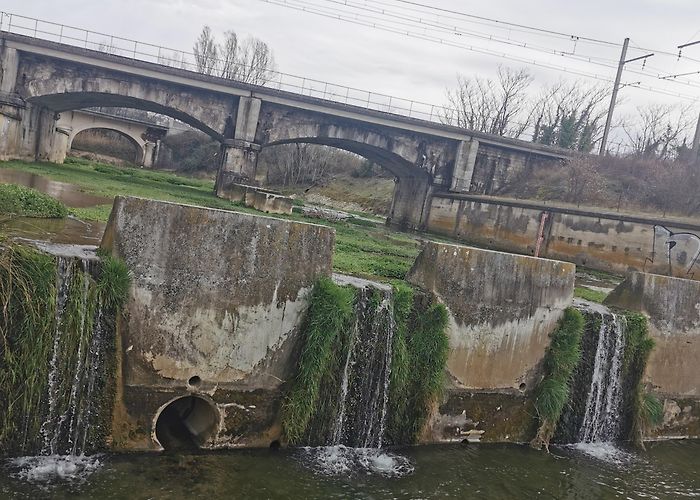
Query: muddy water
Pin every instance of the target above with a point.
(67, 193)
(68, 230)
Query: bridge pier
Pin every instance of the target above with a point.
(239, 157)
(239, 162)
(150, 154)
(411, 203)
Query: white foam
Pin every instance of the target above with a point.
(337, 460)
(604, 451)
(41, 469)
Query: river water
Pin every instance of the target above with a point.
(666, 470)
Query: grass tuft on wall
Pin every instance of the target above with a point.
(420, 351)
(561, 358)
(328, 317)
(32, 328)
(646, 411)
(27, 323)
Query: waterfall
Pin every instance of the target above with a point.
(596, 412)
(364, 388)
(78, 361)
(601, 421)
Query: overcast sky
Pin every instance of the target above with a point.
(364, 57)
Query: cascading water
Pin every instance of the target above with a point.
(73, 417)
(596, 415)
(356, 431)
(601, 421)
(364, 387)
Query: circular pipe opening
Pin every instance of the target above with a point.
(186, 423)
(194, 381)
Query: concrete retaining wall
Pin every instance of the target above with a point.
(599, 240)
(502, 308)
(218, 296)
(673, 370)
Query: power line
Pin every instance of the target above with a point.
(308, 7)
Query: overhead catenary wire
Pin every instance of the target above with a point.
(426, 25)
(309, 7)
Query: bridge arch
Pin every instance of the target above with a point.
(71, 101)
(412, 185)
(137, 142)
(392, 162)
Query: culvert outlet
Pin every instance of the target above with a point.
(186, 423)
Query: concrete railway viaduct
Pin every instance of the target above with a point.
(41, 80)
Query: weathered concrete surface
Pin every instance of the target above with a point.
(673, 307)
(216, 295)
(40, 78)
(145, 136)
(502, 309)
(257, 198)
(507, 416)
(597, 239)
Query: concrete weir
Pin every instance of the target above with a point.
(210, 327)
(673, 369)
(502, 308)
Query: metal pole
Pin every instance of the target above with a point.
(696, 143)
(608, 119)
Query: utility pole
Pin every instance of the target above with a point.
(616, 87)
(696, 144)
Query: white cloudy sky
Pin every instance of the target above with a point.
(345, 53)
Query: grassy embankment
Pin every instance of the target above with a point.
(372, 252)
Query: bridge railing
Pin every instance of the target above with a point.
(148, 52)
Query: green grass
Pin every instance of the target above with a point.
(328, 317)
(420, 351)
(361, 250)
(28, 330)
(645, 408)
(560, 360)
(586, 293)
(27, 305)
(26, 202)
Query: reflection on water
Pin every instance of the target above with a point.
(67, 230)
(667, 470)
(67, 193)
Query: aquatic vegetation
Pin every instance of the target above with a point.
(421, 348)
(561, 358)
(58, 355)
(26, 202)
(27, 324)
(349, 330)
(329, 315)
(645, 410)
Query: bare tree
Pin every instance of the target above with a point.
(569, 115)
(256, 62)
(492, 106)
(206, 52)
(249, 61)
(659, 130)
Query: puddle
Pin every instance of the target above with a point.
(67, 193)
